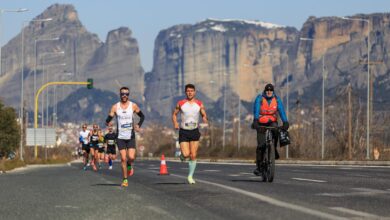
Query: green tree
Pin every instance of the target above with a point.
(9, 130)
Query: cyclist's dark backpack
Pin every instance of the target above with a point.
(284, 138)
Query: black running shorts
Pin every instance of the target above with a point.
(94, 146)
(85, 147)
(111, 149)
(189, 135)
(101, 149)
(125, 144)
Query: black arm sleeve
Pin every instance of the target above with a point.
(109, 118)
(141, 118)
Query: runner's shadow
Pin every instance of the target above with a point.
(171, 183)
(250, 181)
(106, 184)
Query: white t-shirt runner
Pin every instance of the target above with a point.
(84, 135)
(125, 121)
(189, 112)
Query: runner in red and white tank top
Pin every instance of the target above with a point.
(190, 110)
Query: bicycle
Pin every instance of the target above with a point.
(268, 163)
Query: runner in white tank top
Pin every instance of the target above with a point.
(124, 121)
(123, 111)
(84, 141)
(190, 109)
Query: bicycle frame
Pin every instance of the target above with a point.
(269, 155)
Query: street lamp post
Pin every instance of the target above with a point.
(36, 54)
(1, 31)
(35, 72)
(22, 86)
(1, 71)
(55, 114)
(239, 114)
(323, 100)
(45, 74)
(368, 81)
(47, 92)
(224, 112)
(287, 100)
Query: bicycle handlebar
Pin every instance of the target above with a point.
(270, 127)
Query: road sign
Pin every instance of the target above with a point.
(44, 136)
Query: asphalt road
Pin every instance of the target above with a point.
(222, 191)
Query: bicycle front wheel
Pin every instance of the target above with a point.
(271, 162)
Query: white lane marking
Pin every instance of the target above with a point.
(359, 175)
(66, 206)
(255, 177)
(154, 168)
(210, 170)
(309, 180)
(361, 192)
(270, 200)
(292, 165)
(234, 175)
(357, 213)
(244, 173)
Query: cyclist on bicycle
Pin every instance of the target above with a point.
(265, 109)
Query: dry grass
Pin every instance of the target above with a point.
(57, 155)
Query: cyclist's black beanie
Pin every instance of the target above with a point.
(269, 87)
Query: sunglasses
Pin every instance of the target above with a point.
(269, 90)
(125, 94)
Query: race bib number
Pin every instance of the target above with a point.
(100, 145)
(85, 141)
(191, 125)
(110, 142)
(94, 138)
(126, 127)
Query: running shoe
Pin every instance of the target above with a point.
(100, 166)
(110, 167)
(130, 170)
(85, 168)
(257, 172)
(88, 164)
(182, 158)
(190, 180)
(125, 183)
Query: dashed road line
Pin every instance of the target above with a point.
(309, 180)
(357, 213)
(270, 200)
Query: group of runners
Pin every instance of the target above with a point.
(124, 137)
(266, 106)
(97, 147)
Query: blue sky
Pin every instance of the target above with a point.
(147, 17)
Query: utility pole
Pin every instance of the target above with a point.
(349, 89)
(370, 100)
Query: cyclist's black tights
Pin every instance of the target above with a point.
(261, 139)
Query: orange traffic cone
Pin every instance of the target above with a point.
(163, 166)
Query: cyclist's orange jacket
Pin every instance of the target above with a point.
(268, 111)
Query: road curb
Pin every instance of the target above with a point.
(297, 162)
(35, 166)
